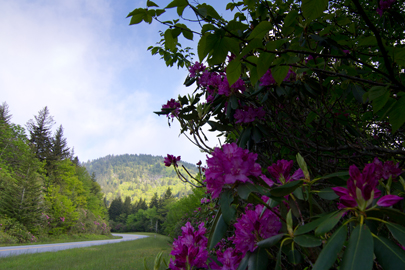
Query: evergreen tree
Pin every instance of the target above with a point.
(60, 150)
(115, 209)
(40, 131)
(5, 114)
(154, 202)
(126, 207)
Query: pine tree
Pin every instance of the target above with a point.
(5, 114)
(154, 202)
(59, 147)
(115, 209)
(40, 131)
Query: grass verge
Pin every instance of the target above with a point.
(65, 238)
(124, 255)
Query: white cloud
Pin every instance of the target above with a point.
(93, 72)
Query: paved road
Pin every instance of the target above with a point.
(17, 250)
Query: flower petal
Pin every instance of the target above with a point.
(389, 200)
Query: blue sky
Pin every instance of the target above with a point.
(93, 71)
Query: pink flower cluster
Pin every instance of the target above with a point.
(196, 69)
(362, 187)
(174, 106)
(387, 169)
(384, 5)
(281, 171)
(248, 114)
(170, 159)
(190, 249)
(254, 226)
(217, 83)
(62, 219)
(205, 200)
(229, 259)
(229, 165)
(268, 79)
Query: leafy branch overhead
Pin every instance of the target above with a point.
(317, 81)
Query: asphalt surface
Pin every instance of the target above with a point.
(17, 250)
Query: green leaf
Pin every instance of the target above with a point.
(271, 241)
(388, 254)
(398, 232)
(245, 190)
(393, 214)
(312, 9)
(303, 166)
(327, 194)
(336, 174)
(170, 42)
(329, 224)
(359, 252)
(279, 73)
(244, 263)
(330, 251)
(151, 4)
(294, 256)
(218, 126)
(258, 260)
(311, 117)
(261, 30)
(397, 114)
(307, 240)
(286, 189)
(187, 34)
(176, 3)
(218, 231)
(265, 61)
(233, 71)
(312, 225)
(201, 48)
(228, 212)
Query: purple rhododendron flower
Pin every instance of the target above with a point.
(383, 5)
(267, 79)
(361, 187)
(248, 114)
(386, 170)
(174, 105)
(281, 171)
(228, 166)
(205, 200)
(253, 226)
(196, 68)
(190, 249)
(229, 259)
(388, 200)
(170, 159)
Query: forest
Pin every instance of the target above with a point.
(137, 176)
(44, 190)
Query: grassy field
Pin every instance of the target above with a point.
(124, 255)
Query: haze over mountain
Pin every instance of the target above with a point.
(138, 176)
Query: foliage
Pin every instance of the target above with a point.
(136, 176)
(42, 187)
(320, 82)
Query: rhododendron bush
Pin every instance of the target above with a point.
(309, 99)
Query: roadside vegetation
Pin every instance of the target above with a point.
(124, 255)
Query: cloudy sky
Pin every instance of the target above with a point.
(93, 71)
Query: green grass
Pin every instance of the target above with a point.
(66, 239)
(124, 255)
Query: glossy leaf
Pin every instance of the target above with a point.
(307, 240)
(286, 189)
(398, 232)
(271, 241)
(261, 30)
(312, 9)
(331, 250)
(258, 260)
(359, 252)
(327, 194)
(389, 255)
(228, 212)
(329, 223)
(294, 256)
(233, 71)
(244, 262)
(397, 114)
(279, 73)
(393, 214)
(217, 232)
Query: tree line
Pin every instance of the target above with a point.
(44, 190)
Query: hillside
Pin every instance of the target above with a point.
(137, 176)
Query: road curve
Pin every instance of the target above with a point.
(18, 250)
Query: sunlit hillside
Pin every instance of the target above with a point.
(137, 176)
